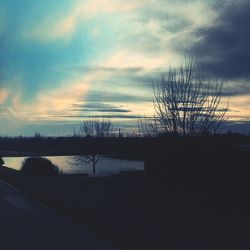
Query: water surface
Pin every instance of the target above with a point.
(66, 165)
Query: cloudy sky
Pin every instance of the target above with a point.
(62, 61)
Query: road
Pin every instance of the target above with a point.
(25, 224)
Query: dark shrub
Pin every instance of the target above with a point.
(39, 166)
(1, 161)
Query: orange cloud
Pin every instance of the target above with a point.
(4, 94)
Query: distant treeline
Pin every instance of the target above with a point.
(124, 147)
(128, 147)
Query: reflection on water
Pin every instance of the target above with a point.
(65, 163)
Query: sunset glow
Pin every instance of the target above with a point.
(57, 54)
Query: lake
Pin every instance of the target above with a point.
(66, 165)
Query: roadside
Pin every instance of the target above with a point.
(26, 224)
(136, 212)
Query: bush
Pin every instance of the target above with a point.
(1, 161)
(39, 166)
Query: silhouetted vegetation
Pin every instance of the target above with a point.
(127, 147)
(95, 128)
(92, 129)
(1, 161)
(39, 166)
(186, 103)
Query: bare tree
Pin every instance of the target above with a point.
(187, 102)
(87, 158)
(148, 126)
(92, 128)
(96, 128)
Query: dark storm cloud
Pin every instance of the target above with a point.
(236, 88)
(99, 107)
(224, 49)
(92, 69)
(102, 96)
(99, 116)
(187, 109)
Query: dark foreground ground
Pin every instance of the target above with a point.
(138, 212)
(27, 224)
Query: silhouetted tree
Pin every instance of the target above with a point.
(96, 128)
(148, 126)
(37, 135)
(92, 129)
(87, 158)
(186, 102)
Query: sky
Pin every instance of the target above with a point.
(63, 61)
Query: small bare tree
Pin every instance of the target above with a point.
(187, 102)
(87, 158)
(148, 126)
(96, 128)
(92, 129)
